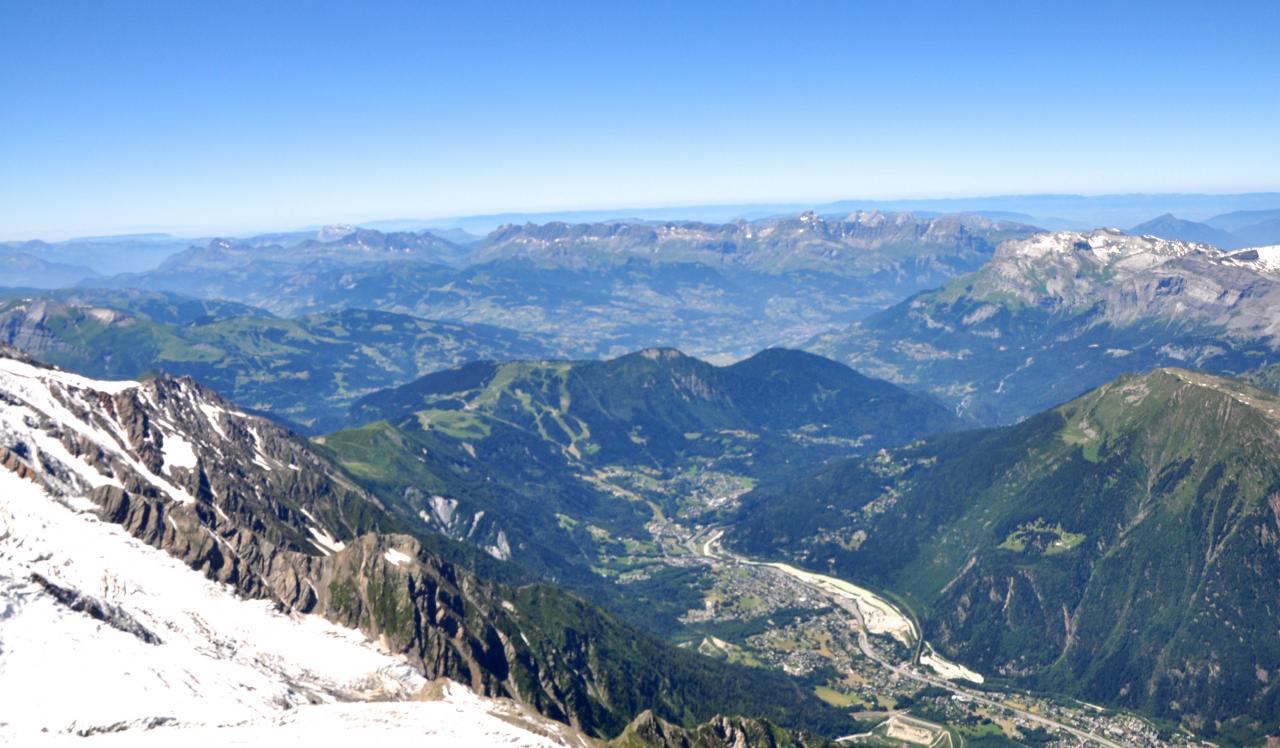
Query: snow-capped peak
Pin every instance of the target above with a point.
(162, 437)
(334, 232)
(1104, 246)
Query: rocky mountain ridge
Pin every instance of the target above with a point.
(864, 241)
(342, 245)
(1134, 277)
(249, 504)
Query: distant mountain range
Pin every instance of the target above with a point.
(1169, 227)
(1051, 211)
(858, 245)
(1078, 212)
(24, 269)
(1055, 314)
(1227, 231)
(92, 256)
(1254, 227)
(720, 290)
(602, 289)
(69, 262)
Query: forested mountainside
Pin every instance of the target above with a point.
(555, 463)
(1120, 547)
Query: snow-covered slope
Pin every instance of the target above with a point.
(181, 468)
(458, 719)
(102, 634)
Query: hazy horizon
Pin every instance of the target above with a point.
(1090, 211)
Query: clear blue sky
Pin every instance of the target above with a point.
(229, 116)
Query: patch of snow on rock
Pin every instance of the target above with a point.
(325, 542)
(396, 558)
(178, 452)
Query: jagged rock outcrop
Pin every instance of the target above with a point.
(103, 611)
(650, 731)
(249, 504)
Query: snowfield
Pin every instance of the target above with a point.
(459, 719)
(178, 452)
(103, 635)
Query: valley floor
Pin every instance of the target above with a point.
(854, 647)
